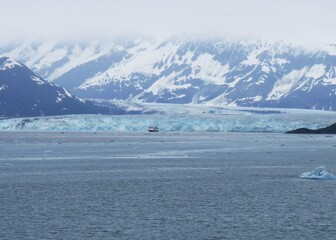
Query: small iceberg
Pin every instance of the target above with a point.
(6, 164)
(318, 173)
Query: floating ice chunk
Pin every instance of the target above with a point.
(6, 164)
(318, 173)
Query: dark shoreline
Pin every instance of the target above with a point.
(327, 130)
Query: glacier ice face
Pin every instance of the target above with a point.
(180, 118)
(319, 173)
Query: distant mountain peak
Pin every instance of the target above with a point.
(22, 93)
(8, 63)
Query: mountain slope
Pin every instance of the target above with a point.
(22, 93)
(212, 71)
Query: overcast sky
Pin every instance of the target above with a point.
(299, 21)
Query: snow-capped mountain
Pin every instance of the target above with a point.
(22, 93)
(242, 73)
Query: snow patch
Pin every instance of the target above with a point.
(316, 71)
(281, 61)
(9, 63)
(265, 69)
(238, 79)
(3, 87)
(166, 83)
(251, 59)
(61, 96)
(257, 98)
(329, 81)
(283, 86)
(67, 93)
(209, 70)
(37, 80)
(254, 99)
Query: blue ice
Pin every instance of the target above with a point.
(319, 173)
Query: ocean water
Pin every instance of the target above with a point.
(72, 185)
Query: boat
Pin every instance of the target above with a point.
(153, 129)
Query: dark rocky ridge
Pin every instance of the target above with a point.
(327, 130)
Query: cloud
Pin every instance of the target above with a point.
(302, 21)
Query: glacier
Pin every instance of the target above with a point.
(179, 118)
(319, 173)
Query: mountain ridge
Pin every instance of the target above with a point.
(217, 72)
(23, 94)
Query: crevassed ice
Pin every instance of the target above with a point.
(179, 121)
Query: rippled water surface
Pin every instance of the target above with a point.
(165, 186)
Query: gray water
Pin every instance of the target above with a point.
(165, 186)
